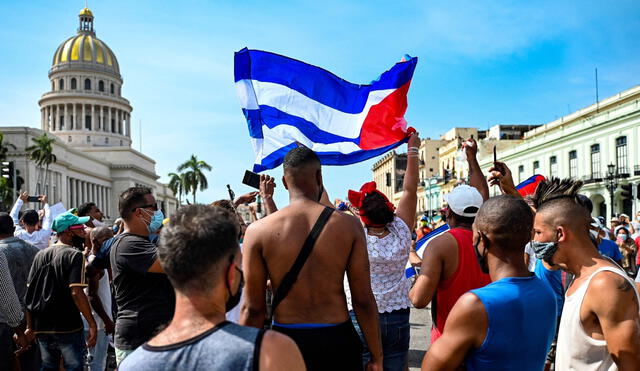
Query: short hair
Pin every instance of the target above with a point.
(374, 206)
(85, 208)
(225, 204)
(101, 232)
(130, 199)
(195, 244)
(463, 219)
(585, 201)
(508, 219)
(30, 217)
(6, 224)
(299, 157)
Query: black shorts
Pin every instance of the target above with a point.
(328, 348)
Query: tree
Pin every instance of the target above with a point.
(42, 153)
(194, 177)
(176, 185)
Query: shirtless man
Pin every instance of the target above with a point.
(600, 326)
(314, 313)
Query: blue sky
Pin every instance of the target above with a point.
(481, 63)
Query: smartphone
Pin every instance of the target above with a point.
(495, 155)
(251, 179)
(33, 199)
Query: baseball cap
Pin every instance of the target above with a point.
(66, 220)
(595, 222)
(462, 198)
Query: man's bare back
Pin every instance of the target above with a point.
(318, 294)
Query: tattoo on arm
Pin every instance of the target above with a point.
(625, 286)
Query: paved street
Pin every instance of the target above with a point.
(420, 331)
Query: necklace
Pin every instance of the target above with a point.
(377, 234)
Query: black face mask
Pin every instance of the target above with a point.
(77, 241)
(234, 299)
(482, 259)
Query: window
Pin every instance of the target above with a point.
(536, 167)
(69, 139)
(61, 84)
(87, 122)
(112, 89)
(88, 139)
(520, 173)
(553, 166)
(621, 155)
(53, 85)
(595, 161)
(106, 140)
(121, 143)
(73, 84)
(101, 85)
(61, 122)
(113, 125)
(87, 84)
(573, 164)
(388, 179)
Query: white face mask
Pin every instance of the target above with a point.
(97, 223)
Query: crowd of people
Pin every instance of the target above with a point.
(515, 283)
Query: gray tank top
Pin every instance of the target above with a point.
(227, 346)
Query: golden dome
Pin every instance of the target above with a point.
(85, 50)
(86, 11)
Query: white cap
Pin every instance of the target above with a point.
(462, 197)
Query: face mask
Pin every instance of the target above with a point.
(623, 237)
(234, 299)
(482, 259)
(156, 221)
(77, 241)
(544, 250)
(97, 223)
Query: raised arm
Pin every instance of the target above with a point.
(364, 303)
(465, 329)
(500, 175)
(476, 179)
(254, 307)
(15, 210)
(267, 187)
(614, 301)
(46, 221)
(407, 206)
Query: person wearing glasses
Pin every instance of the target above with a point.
(143, 293)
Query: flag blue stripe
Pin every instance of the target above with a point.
(433, 233)
(315, 82)
(272, 117)
(276, 158)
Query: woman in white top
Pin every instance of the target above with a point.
(388, 243)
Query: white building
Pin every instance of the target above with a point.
(90, 119)
(581, 146)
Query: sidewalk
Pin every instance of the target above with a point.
(420, 321)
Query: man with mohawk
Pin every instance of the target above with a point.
(600, 326)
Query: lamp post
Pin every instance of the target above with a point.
(433, 180)
(612, 184)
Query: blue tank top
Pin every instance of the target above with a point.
(522, 322)
(227, 346)
(554, 280)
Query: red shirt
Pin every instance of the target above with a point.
(468, 276)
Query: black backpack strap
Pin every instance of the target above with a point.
(291, 276)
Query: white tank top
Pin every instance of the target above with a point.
(576, 350)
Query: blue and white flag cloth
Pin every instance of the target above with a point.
(288, 102)
(421, 246)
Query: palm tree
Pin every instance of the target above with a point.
(176, 185)
(42, 153)
(194, 178)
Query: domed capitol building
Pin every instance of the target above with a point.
(91, 122)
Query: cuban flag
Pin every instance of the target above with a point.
(288, 102)
(529, 186)
(421, 246)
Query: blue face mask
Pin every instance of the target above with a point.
(156, 221)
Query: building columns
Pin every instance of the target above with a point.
(128, 125)
(83, 120)
(66, 116)
(109, 122)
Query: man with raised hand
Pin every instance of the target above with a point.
(309, 300)
(510, 323)
(200, 253)
(27, 225)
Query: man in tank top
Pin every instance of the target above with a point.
(600, 326)
(510, 323)
(200, 254)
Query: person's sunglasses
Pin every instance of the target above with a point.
(153, 207)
